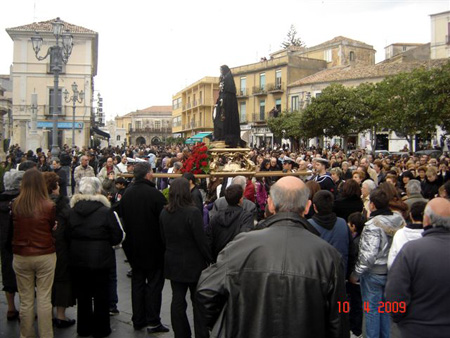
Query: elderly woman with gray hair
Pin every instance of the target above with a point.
(93, 230)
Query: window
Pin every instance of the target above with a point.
(243, 112)
(118, 138)
(327, 55)
(294, 103)
(59, 109)
(262, 110)
(278, 104)
(129, 126)
(243, 88)
(262, 81)
(278, 79)
(157, 124)
(200, 97)
(138, 124)
(352, 56)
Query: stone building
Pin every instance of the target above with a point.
(5, 114)
(261, 92)
(31, 76)
(440, 35)
(302, 90)
(150, 126)
(339, 51)
(193, 107)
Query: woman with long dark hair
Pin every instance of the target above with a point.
(33, 215)
(187, 254)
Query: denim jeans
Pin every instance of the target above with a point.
(372, 292)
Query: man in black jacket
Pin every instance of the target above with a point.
(282, 281)
(418, 280)
(227, 223)
(140, 208)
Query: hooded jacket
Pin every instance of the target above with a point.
(93, 231)
(335, 231)
(402, 236)
(376, 240)
(225, 225)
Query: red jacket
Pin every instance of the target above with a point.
(249, 192)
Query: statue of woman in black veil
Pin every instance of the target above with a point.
(226, 120)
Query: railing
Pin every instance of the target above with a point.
(275, 87)
(259, 117)
(259, 90)
(150, 130)
(242, 92)
(48, 110)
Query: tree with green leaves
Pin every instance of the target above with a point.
(336, 112)
(407, 104)
(287, 125)
(439, 101)
(291, 39)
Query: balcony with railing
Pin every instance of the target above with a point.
(259, 90)
(198, 103)
(259, 118)
(62, 111)
(162, 130)
(242, 92)
(275, 87)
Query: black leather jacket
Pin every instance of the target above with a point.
(282, 281)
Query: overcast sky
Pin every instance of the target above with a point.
(150, 50)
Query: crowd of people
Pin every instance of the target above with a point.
(352, 236)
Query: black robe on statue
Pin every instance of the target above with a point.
(226, 121)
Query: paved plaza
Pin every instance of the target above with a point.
(121, 324)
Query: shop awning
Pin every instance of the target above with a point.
(100, 132)
(198, 137)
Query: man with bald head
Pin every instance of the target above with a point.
(282, 281)
(419, 278)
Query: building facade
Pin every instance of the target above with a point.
(440, 35)
(340, 51)
(261, 92)
(301, 91)
(150, 126)
(5, 113)
(193, 107)
(30, 76)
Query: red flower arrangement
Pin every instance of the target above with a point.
(198, 162)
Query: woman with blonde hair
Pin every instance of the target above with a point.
(33, 215)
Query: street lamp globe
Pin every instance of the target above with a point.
(58, 25)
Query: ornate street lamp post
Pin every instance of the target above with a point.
(76, 97)
(59, 54)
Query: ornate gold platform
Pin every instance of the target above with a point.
(230, 160)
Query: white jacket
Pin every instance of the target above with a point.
(402, 237)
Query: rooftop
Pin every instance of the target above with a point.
(380, 70)
(46, 26)
(338, 40)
